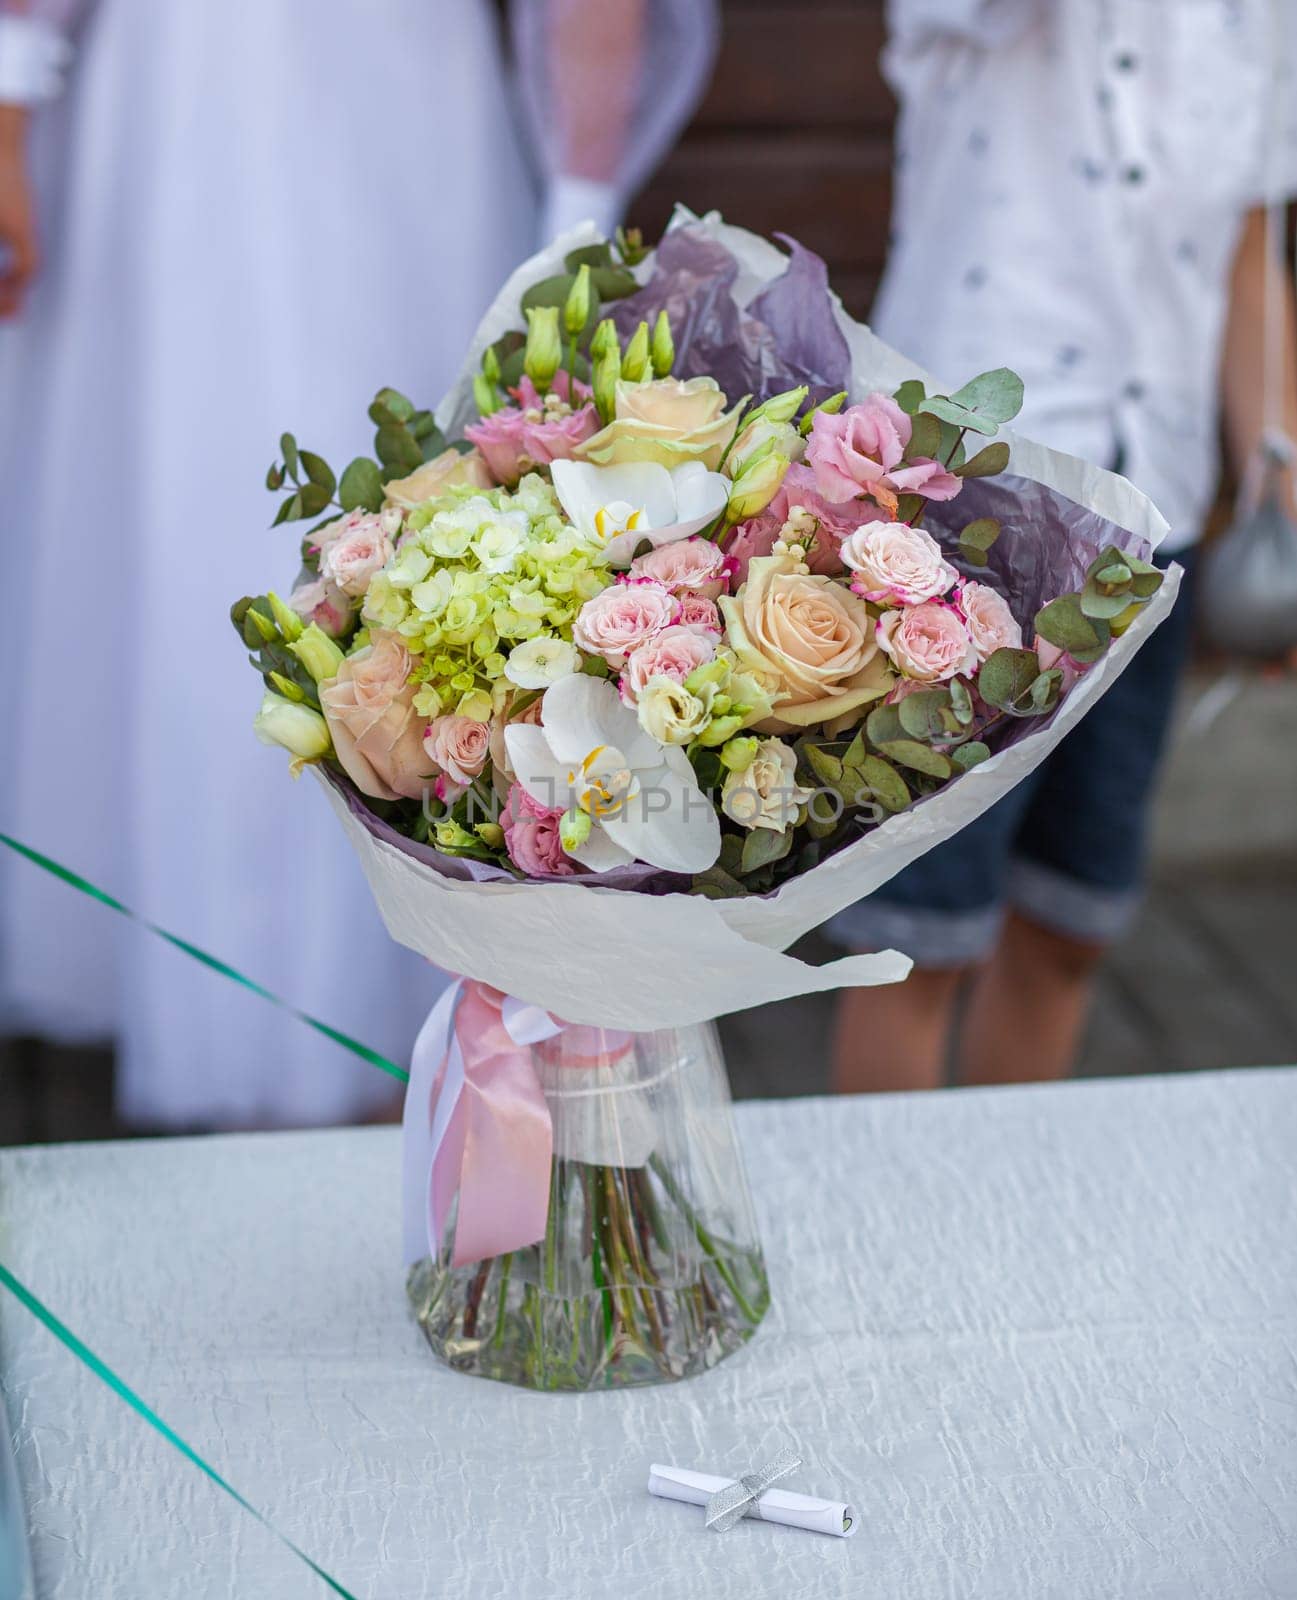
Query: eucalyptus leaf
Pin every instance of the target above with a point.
(588, 255)
(856, 751)
(716, 884)
(971, 754)
(951, 411)
(910, 507)
(910, 395)
(827, 768)
(822, 816)
(612, 283)
(885, 783)
(275, 477)
(1096, 604)
(361, 487)
(288, 449)
(421, 424)
(764, 846)
(1045, 689)
(397, 447)
(1114, 572)
(925, 438)
(920, 712)
(1062, 623)
(995, 395)
(431, 443)
(289, 510)
(883, 723)
(393, 401)
(1006, 676)
(961, 701)
(977, 538)
(319, 472)
(920, 757)
(313, 497)
(989, 460)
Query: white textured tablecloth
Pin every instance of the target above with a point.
(1043, 1338)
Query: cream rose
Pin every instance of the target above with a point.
(809, 637)
(765, 793)
(377, 735)
(669, 421)
(896, 564)
(991, 625)
(434, 477)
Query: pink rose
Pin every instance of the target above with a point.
(459, 747)
(673, 653)
(536, 431)
(798, 510)
(927, 642)
(621, 618)
(699, 613)
(369, 707)
(362, 550)
(859, 451)
(531, 837)
(991, 625)
(1050, 655)
(324, 604)
(694, 564)
(896, 564)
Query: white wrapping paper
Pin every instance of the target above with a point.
(646, 961)
(834, 1517)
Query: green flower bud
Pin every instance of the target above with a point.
(318, 653)
(290, 624)
(756, 486)
(544, 350)
(263, 625)
(711, 675)
(719, 730)
(486, 397)
(450, 836)
(296, 728)
(573, 830)
(635, 363)
(630, 246)
(739, 754)
(834, 403)
(490, 365)
(287, 687)
(605, 339)
(780, 407)
(490, 833)
(607, 373)
(576, 309)
(663, 348)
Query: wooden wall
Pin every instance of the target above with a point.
(794, 135)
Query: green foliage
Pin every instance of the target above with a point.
(1063, 623)
(989, 460)
(918, 757)
(763, 847)
(970, 754)
(361, 488)
(911, 395)
(976, 540)
(885, 783)
(1006, 676)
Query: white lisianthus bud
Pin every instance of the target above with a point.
(576, 308)
(574, 829)
(318, 653)
(756, 486)
(295, 728)
(670, 713)
(635, 363)
(290, 624)
(662, 350)
(543, 353)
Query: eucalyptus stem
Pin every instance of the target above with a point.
(703, 1236)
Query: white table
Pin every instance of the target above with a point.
(1044, 1338)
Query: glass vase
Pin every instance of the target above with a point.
(650, 1269)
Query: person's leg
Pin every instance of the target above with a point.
(943, 910)
(1074, 883)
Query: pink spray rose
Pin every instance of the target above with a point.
(324, 604)
(622, 617)
(673, 653)
(362, 549)
(531, 836)
(991, 625)
(376, 732)
(1050, 655)
(896, 564)
(927, 642)
(859, 450)
(536, 431)
(798, 508)
(459, 748)
(699, 613)
(697, 565)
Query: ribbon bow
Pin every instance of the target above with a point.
(738, 1500)
(476, 1124)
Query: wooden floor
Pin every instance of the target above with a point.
(1205, 980)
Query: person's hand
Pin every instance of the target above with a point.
(18, 258)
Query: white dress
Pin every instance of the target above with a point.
(258, 212)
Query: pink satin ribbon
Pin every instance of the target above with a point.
(477, 1124)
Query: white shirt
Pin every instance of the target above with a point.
(1072, 177)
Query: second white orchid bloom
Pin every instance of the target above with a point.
(619, 507)
(590, 756)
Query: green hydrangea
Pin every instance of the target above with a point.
(478, 572)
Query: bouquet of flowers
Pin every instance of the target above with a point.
(691, 615)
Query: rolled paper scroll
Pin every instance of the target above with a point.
(833, 1517)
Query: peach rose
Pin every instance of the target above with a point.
(459, 747)
(896, 564)
(991, 625)
(369, 707)
(621, 618)
(809, 638)
(669, 421)
(451, 468)
(673, 653)
(929, 642)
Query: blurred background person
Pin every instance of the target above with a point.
(242, 214)
(1096, 173)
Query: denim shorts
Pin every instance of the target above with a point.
(1065, 849)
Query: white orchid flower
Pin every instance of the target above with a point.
(590, 755)
(618, 507)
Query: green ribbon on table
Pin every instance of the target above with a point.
(66, 875)
(43, 1314)
(119, 1387)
